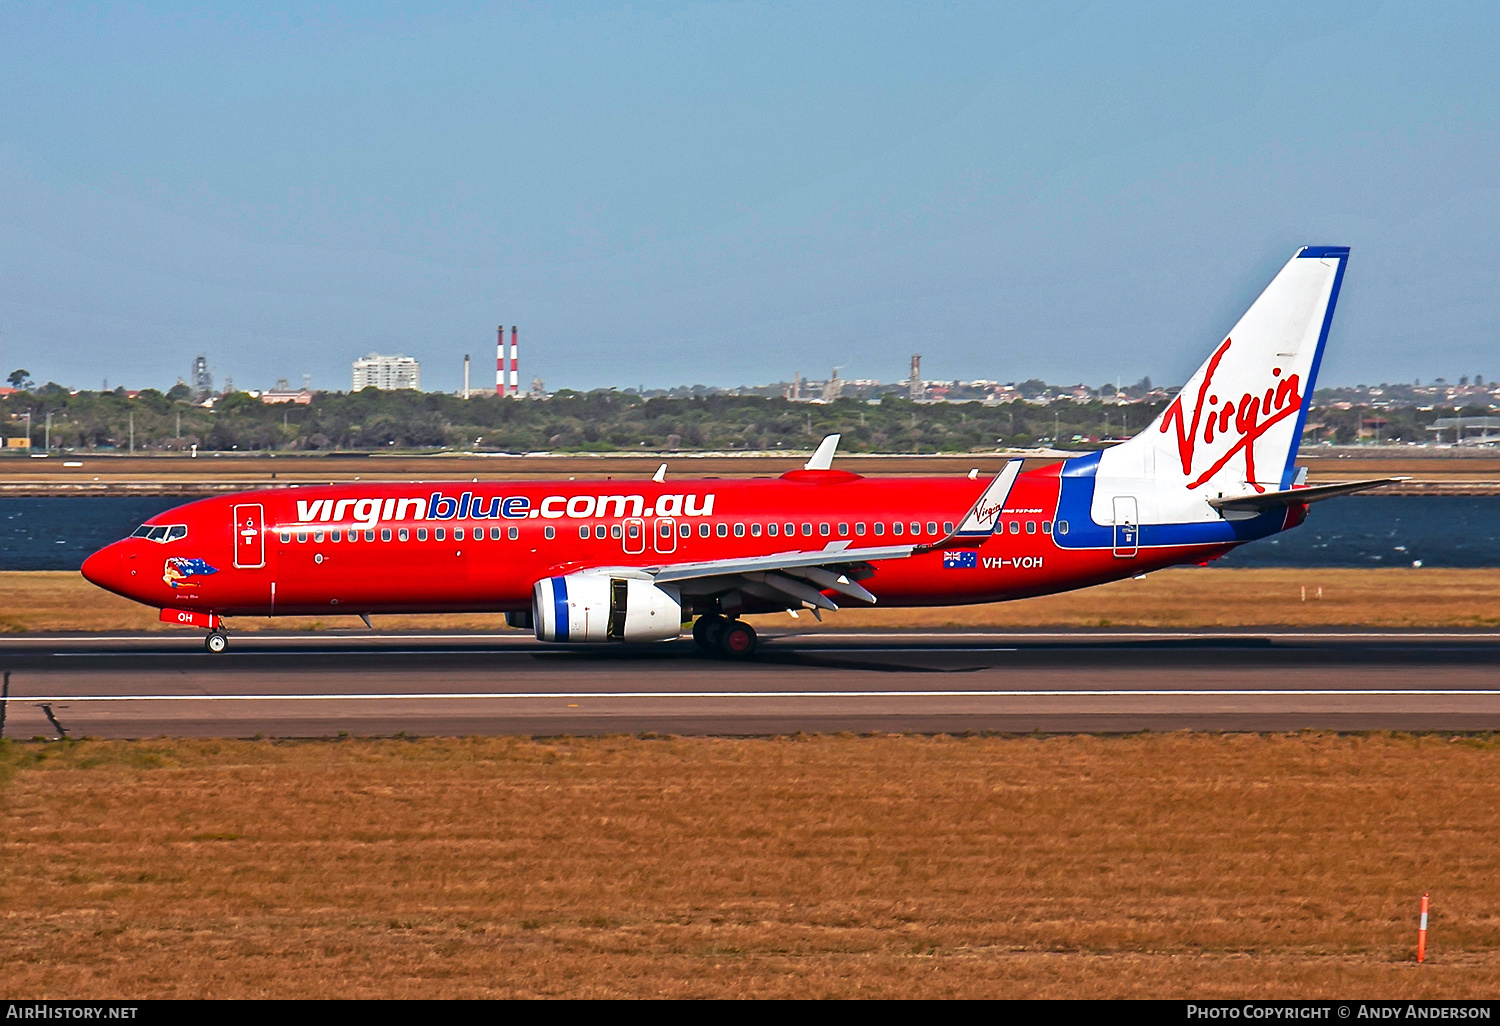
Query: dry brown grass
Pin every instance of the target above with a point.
(1177, 865)
(62, 601)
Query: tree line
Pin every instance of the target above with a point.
(599, 421)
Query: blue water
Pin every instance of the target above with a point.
(58, 534)
(1385, 530)
(1457, 531)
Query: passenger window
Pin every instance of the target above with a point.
(771, 530)
(301, 537)
(932, 527)
(495, 534)
(807, 530)
(286, 537)
(790, 530)
(458, 534)
(947, 527)
(550, 532)
(616, 532)
(755, 530)
(702, 530)
(385, 534)
(739, 530)
(318, 536)
(879, 529)
(514, 532)
(1046, 527)
(370, 535)
(686, 530)
(722, 530)
(1062, 527)
(1031, 527)
(421, 534)
(336, 535)
(583, 532)
(916, 528)
(843, 530)
(402, 534)
(1015, 527)
(634, 530)
(601, 532)
(439, 534)
(859, 529)
(824, 530)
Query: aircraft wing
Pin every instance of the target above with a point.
(1298, 496)
(801, 577)
(837, 554)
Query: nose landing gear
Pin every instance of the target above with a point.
(721, 636)
(216, 642)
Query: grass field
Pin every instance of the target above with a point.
(62, 601)
(1162, 866)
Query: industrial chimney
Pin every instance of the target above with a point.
(500, 361)
(515, 381)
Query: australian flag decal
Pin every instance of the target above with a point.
(960, 560)
(180, 571)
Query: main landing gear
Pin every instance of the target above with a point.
(216, 642)
(719, 635)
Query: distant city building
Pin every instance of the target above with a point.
(387, 372)
(284, 393)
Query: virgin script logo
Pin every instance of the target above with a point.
(1239, 423)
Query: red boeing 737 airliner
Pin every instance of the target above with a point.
(600, 561)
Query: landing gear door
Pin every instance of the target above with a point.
(1127, 527)
(249, 536)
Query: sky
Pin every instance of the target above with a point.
(663, 194)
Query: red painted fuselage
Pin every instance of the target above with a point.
(430, 548)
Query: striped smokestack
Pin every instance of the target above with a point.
(500, 361)
(515, 381)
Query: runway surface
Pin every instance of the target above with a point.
(301, 685)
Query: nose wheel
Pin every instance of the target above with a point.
(216, 642)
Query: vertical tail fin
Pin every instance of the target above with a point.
(1235, 426)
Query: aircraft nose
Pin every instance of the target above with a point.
(103, 568)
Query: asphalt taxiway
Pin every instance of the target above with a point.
(304, 685)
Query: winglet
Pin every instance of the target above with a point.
(979, 523)
(823, 458)
(660, 475)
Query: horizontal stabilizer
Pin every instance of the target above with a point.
(1299, 496)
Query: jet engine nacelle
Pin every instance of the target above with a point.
(598, 606)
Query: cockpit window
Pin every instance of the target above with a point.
(160, 532)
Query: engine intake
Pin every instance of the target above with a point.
(601, 607)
